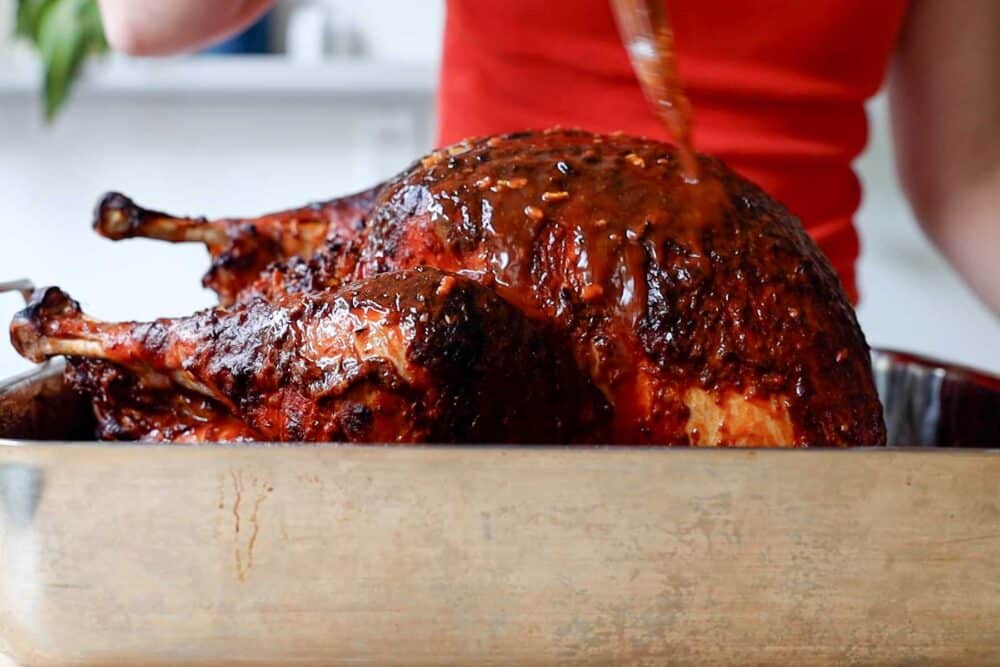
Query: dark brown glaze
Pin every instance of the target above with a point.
(125, 410)
(241, 248)
(701, 312)
(329, 268)
(414, 356)
(661, 285)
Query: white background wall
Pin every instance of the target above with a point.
(223, 155)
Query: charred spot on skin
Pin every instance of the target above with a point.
(523, 134)
(30, 327)
(116, 216)
(52, 302)
(357, 420)
(741, 254)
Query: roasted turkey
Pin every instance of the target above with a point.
(548, 287)
(408, 356)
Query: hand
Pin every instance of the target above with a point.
(173, 26)
(945, 102)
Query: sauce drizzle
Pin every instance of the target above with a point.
(650, 44)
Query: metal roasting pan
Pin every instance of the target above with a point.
(339, 555)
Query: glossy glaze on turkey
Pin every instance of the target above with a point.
(701, 313)
(410, 356)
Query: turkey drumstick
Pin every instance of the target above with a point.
(240, 247)
(412, 356)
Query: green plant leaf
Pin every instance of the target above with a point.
(29, 17)
(65, 32)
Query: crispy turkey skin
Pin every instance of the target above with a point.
(691, 313)
(411, 356)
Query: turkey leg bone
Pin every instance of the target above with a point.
(240, 248)
(409, 356)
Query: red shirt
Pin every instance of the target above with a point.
(777, 87)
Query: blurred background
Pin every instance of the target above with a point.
(322, 98)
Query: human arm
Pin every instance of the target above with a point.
(944, 92)
(172, 26)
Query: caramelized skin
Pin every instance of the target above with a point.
(241, 248)
(125, 409)
(702, 311)
(413, 356)
(666, 287)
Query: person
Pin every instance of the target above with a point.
(777, 87)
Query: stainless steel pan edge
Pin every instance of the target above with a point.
(412, 556)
